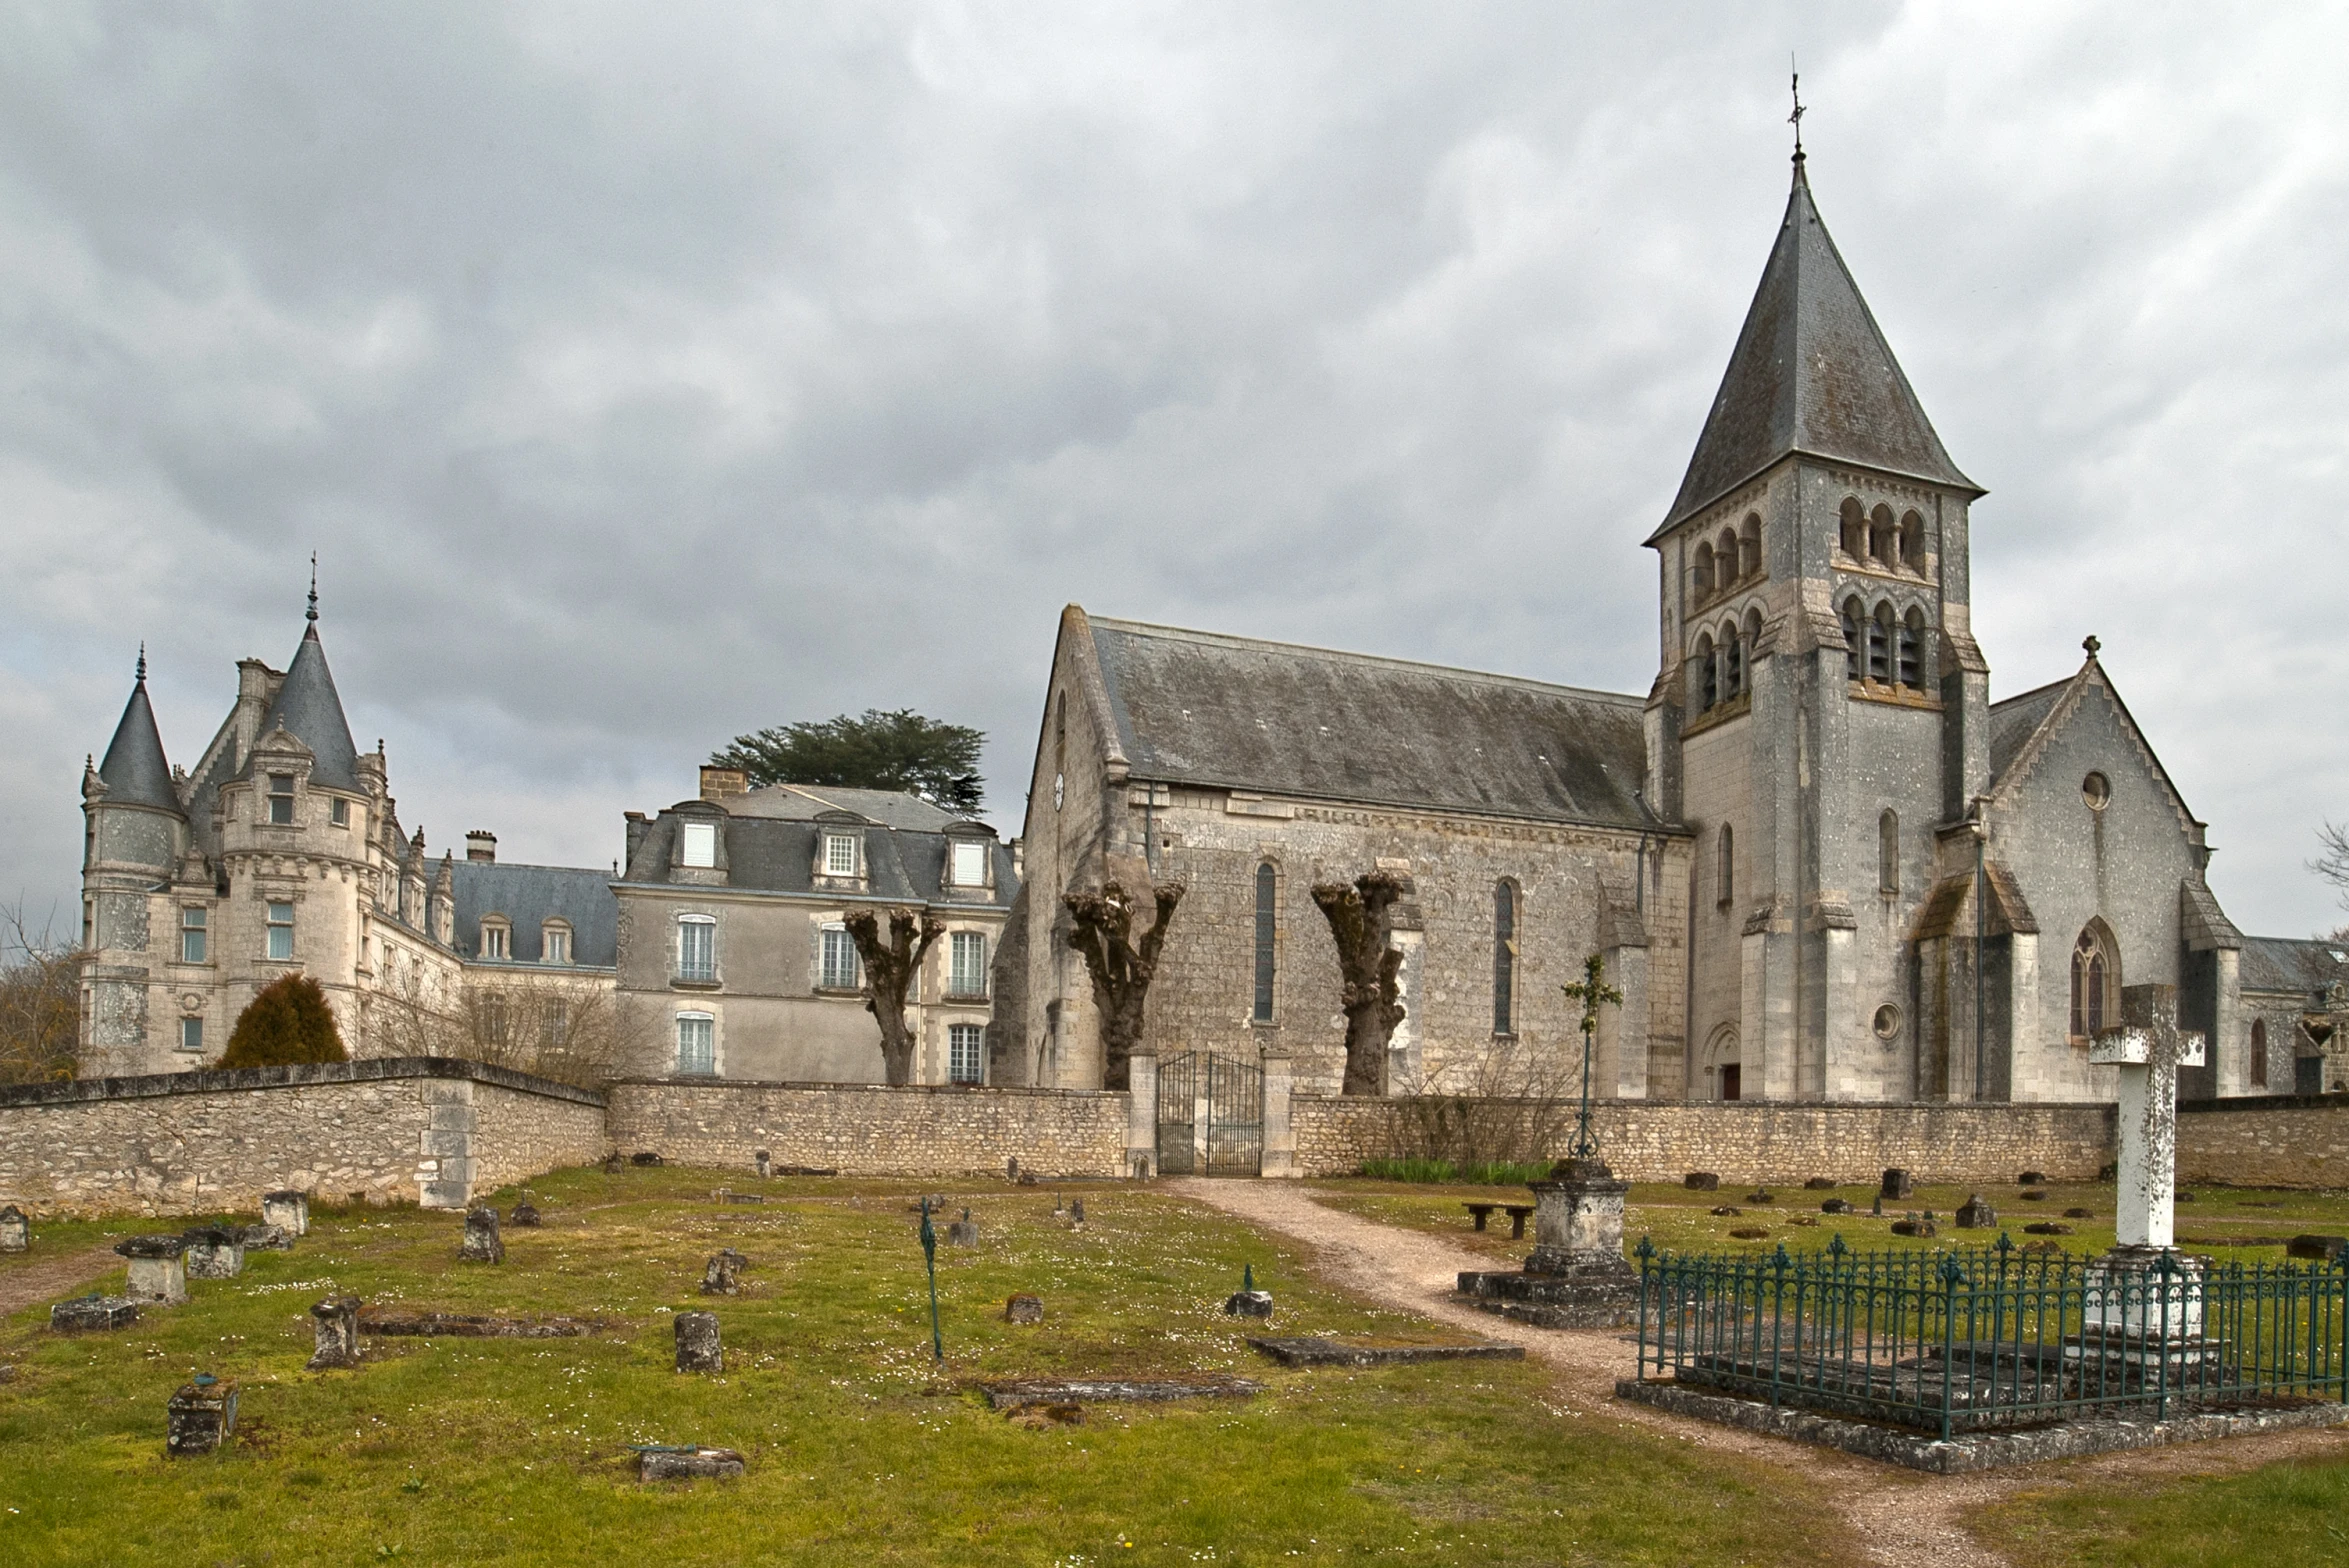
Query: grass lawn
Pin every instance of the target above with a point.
(860, 1448)
(1682, 1221)
(2281, 1513)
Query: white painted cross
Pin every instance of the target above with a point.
(2148, 1048)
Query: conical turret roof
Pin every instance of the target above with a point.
(310, 710)
(135, 772)
(1811, 373)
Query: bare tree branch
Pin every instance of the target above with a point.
(889, 971)
(1101, 932)
(40, 1000)
(1361, 919)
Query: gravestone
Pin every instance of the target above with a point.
(1076, 1212)
(1913, 1226)
(765, 1162)
(722, 1275)
(1836, 1206)
(1761, 1197)
(1248, 1301)
(334, 1329)
(685, 1463)
(15, 1234)
(156, 1272)
(1974, 1214)
(644, 1157)
(2031, 1179)
(1576, 1276)
(1701, 1181)
(698, 1349)
(962, 1233)
(214, 1252)
(482, 1242)
(1896, 1187)
(288, 1211)
(612, 1163)
(2154, 1291)
(266, 1238)
(201, 1416)
(2320, 1249)
(1023, 1309)
(84, 1314)
(525, 1213)
(1820, 1184)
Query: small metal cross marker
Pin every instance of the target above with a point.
(930, 1255)
(1592, 991)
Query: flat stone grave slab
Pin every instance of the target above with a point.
(471, 1325)
(1018, 1392)
(685, 1462)
(1313, 1350)
(85, 1314)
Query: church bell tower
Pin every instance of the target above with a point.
(1819, 712)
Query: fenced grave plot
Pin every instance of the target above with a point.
(1210, 1116)
(1956, 1342)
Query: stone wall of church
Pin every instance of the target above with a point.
(2268, 1141)
(1753, 1141)
(428, 1130)
(869, 1130)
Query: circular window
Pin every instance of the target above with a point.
(2096, 789)
(1887, 1021)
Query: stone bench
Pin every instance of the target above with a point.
(1518, 1214)
(1483, 1212)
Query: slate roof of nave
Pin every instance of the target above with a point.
(529, 896)
(1236, 713)
(2014, 721)
(1811, 373)
(2279, 963)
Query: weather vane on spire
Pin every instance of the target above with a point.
(1796, 119)
(313, 615)
(142, 658)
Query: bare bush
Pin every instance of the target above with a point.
(40, 1001)
(570, 1031)
(1513, 1103)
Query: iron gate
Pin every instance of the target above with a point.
(1210, 1116)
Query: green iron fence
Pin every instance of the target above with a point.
(1996, 1337)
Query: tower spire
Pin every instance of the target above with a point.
(312, 617)
(142, 661)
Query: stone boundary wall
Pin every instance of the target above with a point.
(1758, 1141)
(428, 1130)
(873, 1130)
(2271, 1141)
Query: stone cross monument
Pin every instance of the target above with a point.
(2148, 1048)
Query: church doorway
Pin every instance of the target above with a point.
(1730, 1086)
(1719, 1069)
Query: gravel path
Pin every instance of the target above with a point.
(1900, 1518)
(54, 1278)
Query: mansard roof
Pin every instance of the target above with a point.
(311, 711)
(135, 772)
(778, 855)
(1811, 373)
(1235, 713)
(529, 896)
(805, 802)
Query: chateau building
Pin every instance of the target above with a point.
(1821, 862)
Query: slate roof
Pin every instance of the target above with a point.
(1811, 373)
(2278, 963)
(776, 855)
(311, 711)
(2014, 721)
(529, 896)
(803, 802)
(1235, 713)
(135, 772)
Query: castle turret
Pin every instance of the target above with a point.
(134, 832)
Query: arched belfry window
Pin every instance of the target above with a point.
(1855, 528)
(1700, 576)
(1749, 545)
(1880, 645)
(1725, 556)
(1912, 650)
(1855, 647)
(1708, 672)
(2096, 981)
(1883, 537)
(1732, 662)
(1267, 926)
(1888, 852)
(1504, 957)
(1912, 541)
(1725, 865)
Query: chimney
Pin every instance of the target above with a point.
(481, 844)
(718, 783)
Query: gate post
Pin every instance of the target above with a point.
(1142, 1113)
(1279, 1156)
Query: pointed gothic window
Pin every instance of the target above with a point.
(1267, 921)
(1504, 958)
(2095, 980)
(1888, 852)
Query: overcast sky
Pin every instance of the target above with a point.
(645, 375)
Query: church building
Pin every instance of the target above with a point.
(1820, 861)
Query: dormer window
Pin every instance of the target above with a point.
(554, 942)
(970, 863)
(839, 855)
(281, 798)
(496, 938)
(700, 846)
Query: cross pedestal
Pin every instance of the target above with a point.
(2144, 1288)
(1577, 1276)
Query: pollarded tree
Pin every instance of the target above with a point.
(287, 1022)
(1101, 930)
(889, 970)
(1361, 918)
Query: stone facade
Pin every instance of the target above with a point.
(872, 1130)
(1756, 1141)
(396, 1131)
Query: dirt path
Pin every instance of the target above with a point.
(1900, 1518)
(51, 1278)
